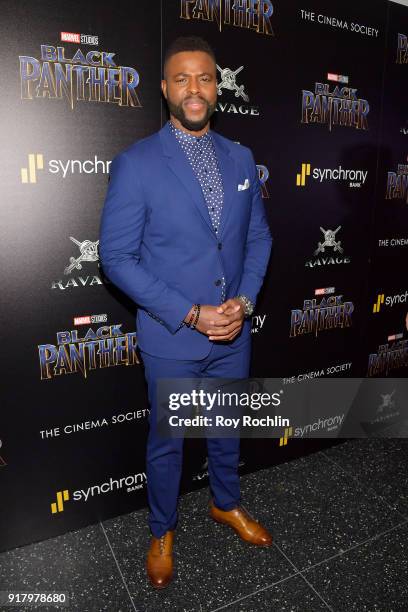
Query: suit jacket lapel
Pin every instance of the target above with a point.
(179, 164)
(228, 171)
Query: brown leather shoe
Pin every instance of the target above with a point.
(159, 562)
(246, 527)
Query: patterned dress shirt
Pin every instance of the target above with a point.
(201, 154)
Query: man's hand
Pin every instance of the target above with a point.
(233, 310)
(222, 322)
(208, 317)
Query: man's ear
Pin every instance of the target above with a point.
(164, 88)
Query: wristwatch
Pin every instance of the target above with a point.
(248, 305)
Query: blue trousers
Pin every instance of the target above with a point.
(164, 457)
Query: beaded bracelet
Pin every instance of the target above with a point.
(193, 326)
(192, 315)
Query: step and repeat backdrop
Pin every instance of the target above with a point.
(318, 91)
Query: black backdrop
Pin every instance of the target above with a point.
(73, 430)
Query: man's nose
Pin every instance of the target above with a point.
(194, 86)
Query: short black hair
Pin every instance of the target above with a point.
(187, 43)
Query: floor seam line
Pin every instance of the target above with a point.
(362, 484)
(343, 552)
(118, 566)
(306, 580)
(301, 571)
(265, 588)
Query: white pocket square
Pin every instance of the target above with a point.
(244, 186)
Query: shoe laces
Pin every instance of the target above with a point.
(162, 542)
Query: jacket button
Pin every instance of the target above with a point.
(220, 246)
(217, 282)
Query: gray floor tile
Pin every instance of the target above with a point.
(380, 463)
(372, 577)
(221, 567)
(314, 509)
(129, 536)
(79, 563)
(292, 595)
(213, 566)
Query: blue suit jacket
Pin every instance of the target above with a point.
(158, 246)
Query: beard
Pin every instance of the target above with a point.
(190, 124)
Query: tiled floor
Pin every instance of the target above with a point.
(339, 519)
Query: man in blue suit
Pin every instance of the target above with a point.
(184, 234)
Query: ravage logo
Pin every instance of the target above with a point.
(88, 253)
(329, 250)
(228, 82)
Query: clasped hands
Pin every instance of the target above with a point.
(223, 322)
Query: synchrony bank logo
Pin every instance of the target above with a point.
(389, 301)
(130, 483)
(62, 168)
(351, 176)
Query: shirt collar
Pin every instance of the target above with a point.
(189, 137)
